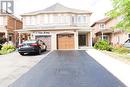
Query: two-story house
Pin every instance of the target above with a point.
(59, 27)
(103, 29)
(8, 24)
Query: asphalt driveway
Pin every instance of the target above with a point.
(68, 69)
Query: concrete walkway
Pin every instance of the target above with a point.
(13, 65)
(117, 68)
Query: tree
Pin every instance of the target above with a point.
(121, 8)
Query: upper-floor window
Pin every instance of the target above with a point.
(1, 20)
(73, 20)
(81, 19)
(53, 18)
(30, 20)
(102, 26)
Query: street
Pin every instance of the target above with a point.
(68, 69)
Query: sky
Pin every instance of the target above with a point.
(97, 7)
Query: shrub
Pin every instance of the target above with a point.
(103, 45)
(121, 50)
(2, 40)
(7, 49)
(0, 46)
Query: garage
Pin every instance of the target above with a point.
(46, 39)
(65, 41)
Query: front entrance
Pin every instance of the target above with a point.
(65, 41)
(82, 40)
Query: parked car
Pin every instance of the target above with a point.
(127, 44)
(32, 46)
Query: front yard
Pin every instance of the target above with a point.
(122, 57)
(118, 51)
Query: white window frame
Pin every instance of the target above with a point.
(27, 20)
(102, 26)
(81, 19)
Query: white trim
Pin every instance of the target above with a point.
(91, 42)
(66, 32)
(76, 40)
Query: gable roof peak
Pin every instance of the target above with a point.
(58, 8)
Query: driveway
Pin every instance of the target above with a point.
(68, 69)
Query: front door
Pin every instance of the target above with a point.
(82, 40)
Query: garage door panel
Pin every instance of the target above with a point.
(65, 41)
(46, 40)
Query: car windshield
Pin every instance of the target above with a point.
(128, 41)
(29, 42)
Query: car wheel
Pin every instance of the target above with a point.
(39, 51)
(21, 54)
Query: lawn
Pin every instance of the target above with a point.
(122, 57)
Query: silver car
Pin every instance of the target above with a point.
(127, 44)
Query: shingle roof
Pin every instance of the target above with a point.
(11, 15)
(57, 8)
(104, 20)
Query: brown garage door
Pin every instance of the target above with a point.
(65, 41)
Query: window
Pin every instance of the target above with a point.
(27, 21)
(33, 20)
(51, 18)
(73, 21)
(102, 26)
(129, 36)
(1, 20)
(81, 19)
(105, 37)
(45, 19)
(30, 20)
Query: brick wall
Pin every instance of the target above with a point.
(12, 25)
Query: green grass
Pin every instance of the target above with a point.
(122, 57)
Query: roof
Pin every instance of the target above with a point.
(104, 20)
(8, 14)
(57, 8)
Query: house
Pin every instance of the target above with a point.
(8, 24)
(59, 27)
(103, 29)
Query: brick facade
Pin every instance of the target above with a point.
(12, 24)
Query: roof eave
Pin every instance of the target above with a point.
(56, 12)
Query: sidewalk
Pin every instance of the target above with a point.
(13, 65)
(117, 68)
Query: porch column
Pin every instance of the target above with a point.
(102, 35)
(54, 41)
(76, 40)
(6, 34)
(91, 39)
(19, 37)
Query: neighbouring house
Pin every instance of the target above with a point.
(59, 27)
(8, 24)
(103, 29)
